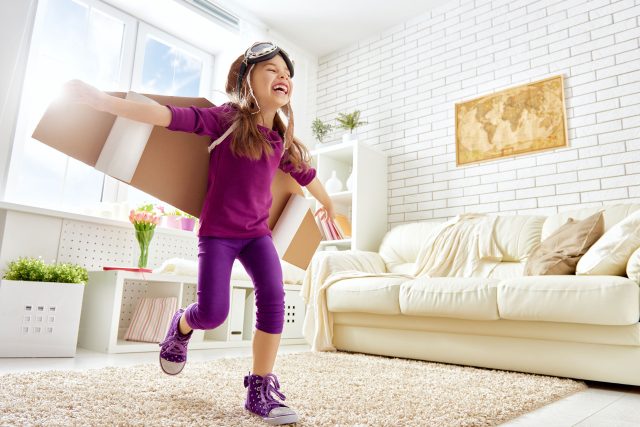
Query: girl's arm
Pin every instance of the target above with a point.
(80, 92)
(317, 190)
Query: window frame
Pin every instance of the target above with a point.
(130, 75)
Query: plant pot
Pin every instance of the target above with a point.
(171, 221)
(39, 319)
(350, 137)
(188, 223)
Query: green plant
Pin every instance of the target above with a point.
(350, 121)
(36, 270)
(320, 129)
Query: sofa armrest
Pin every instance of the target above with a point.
(363, 261)
(326, 263)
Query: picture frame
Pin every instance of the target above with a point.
(518, 120)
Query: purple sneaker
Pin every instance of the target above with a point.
(173, 350)
(260, 400)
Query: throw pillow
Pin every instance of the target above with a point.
(151, 319)
(609, 255)
(633, 266)
(562, 250)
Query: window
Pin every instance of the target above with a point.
(89, 40)
(166, 66)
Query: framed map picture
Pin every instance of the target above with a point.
(518, 120)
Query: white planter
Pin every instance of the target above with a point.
(348, 137)
(39, 319)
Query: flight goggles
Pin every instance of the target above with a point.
(262, 51)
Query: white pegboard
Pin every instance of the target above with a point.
(165, 246)
(132, 291)
(189, 294)
(94, 246)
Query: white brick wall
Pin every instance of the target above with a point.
(407, 80)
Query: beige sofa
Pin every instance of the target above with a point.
(574, 326)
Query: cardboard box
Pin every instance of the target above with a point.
(171, 166)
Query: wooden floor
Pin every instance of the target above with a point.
(601, 405)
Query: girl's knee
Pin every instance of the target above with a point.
(208, 319)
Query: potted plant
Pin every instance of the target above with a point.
(172, 219)
(350, 122)
(188, 221)
(40, 306)
(320, 129)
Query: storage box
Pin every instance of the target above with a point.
(39, 319)
(294, 310)
(171, 166)
(236, 314)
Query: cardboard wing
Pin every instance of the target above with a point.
(171, 166)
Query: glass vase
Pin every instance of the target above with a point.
(144, 239)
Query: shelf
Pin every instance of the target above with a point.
(111, 297)
(342, 197)
(336, 242)
(341, 151)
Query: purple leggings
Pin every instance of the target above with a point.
(215, 260)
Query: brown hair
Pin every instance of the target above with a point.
(247, 140)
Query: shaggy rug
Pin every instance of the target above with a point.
(326, 389)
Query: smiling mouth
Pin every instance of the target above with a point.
(280, 88)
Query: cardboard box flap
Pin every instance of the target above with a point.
(173, 166)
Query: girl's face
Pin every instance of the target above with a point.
(271, 83)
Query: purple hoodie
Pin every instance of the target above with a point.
(238, 189)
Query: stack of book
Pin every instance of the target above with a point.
(333, 229)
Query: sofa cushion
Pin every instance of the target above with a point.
(461, 298)
(400, 246)
(506, 270)
(365, 295)
(560, 252)
(517, 235)
(612, 215)
(597, 300)
(609, 255)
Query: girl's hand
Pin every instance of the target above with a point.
(328, 211)
(82, 93)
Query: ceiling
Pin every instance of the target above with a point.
(327, 26)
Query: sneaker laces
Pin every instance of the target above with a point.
(269, 386)
(175, 346)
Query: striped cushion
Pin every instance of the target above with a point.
(151, 318)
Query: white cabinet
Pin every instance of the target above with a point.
(365, 204)
(110, 299)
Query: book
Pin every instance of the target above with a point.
(133, 269)
(342, 222)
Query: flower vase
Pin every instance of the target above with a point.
(144, 239)
(333, 184)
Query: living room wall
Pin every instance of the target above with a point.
(407, 80)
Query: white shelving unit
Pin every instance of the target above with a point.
(110, 298)
(365, 204)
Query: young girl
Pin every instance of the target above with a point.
(233, 222)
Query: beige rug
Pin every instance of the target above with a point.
(327, 389)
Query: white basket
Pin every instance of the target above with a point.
(293, 314)
(39, 319)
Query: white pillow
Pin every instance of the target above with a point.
(610, 253)
(633, 266)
